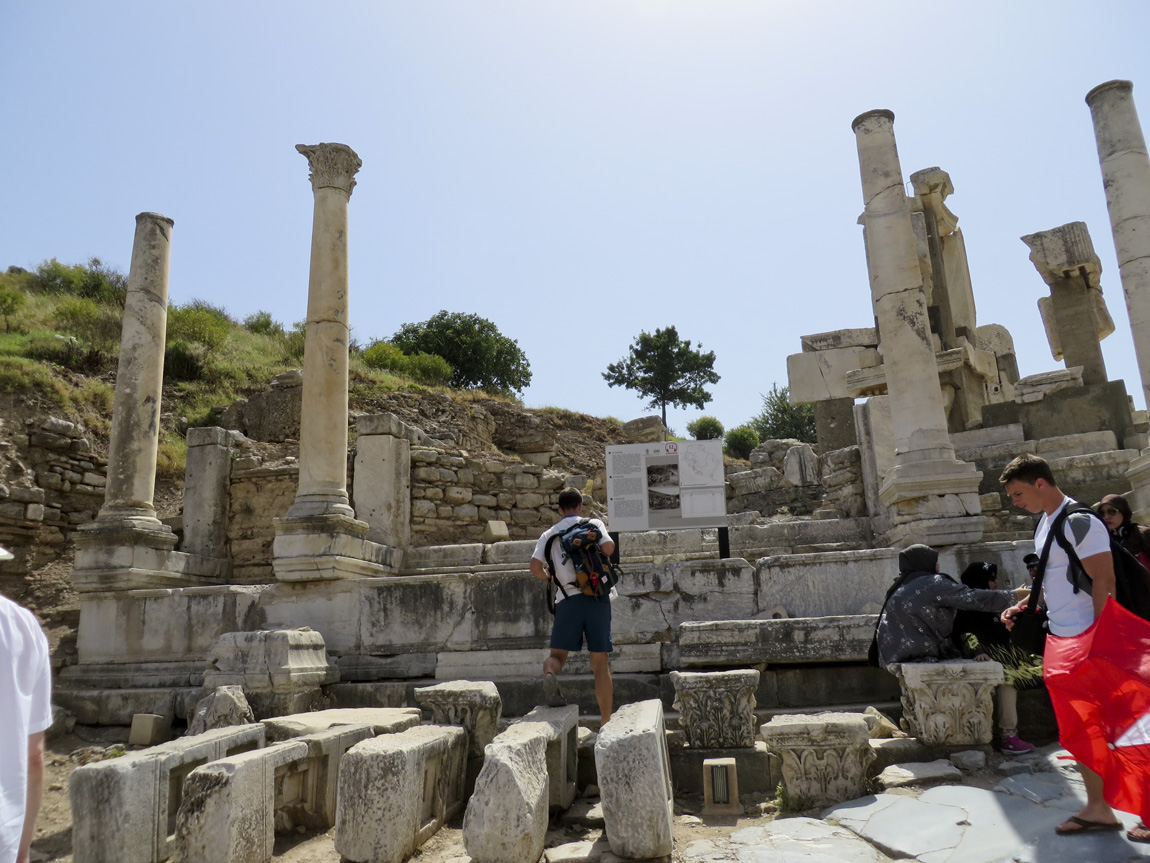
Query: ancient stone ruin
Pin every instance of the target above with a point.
(394, 575)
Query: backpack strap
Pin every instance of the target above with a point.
(1036, 585)
(1077, 567)
(547, 558)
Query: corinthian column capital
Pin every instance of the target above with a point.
(333, 166)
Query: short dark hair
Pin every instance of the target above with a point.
(1028, 468)
(569, 499)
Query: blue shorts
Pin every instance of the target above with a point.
(580, 615)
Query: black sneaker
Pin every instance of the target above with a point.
(552, 696)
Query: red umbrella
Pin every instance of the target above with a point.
(1099, 683)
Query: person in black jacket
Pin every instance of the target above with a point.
(982, 636)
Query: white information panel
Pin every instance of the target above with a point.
(668, 484)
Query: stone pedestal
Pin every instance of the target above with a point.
(281, 671)
(476, 706)
(717, 708)
(926, 480)
(382, 480)
(949, 703)
(561, 725)
(1125, 167)
(825, 756)
(322, 547)
(206, 491)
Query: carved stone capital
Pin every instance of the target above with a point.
(949, 703)
(333, 166)
(476, 706)
(824, 756)
(718, 708)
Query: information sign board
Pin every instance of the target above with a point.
(666, 485)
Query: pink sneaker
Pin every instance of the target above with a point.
(1015, 745)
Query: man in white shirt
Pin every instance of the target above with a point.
(576, 614)
(1030, 483)
(25, 714)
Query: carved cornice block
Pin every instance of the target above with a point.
(718, 708)
(475, 706)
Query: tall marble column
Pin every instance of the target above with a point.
(1126, 178)
(127, 547)
(320, 537)
(323, 421)
(930, 495)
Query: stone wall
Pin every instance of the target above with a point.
(842, 481)
(54, 482)
(783, 477)
(258, 495)
(454, 496)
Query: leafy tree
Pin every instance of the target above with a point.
(705, 428)
(481, 356)
(664, 369)
(740, 441)
(779, 419)
(263, 324)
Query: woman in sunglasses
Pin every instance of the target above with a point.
(1115, 511)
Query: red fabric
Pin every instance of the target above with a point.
(1099, 683)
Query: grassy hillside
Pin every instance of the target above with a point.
(60, 340)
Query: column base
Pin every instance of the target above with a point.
(926, 478)
(137, 555)
(1138, 473)
(327, 547)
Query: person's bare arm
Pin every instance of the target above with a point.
(607, 547)
(1100, 568)
(35, 791)
(538, 571)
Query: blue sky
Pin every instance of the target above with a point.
(574, 171)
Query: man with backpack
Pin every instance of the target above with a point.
(581, 610)
(1071, 606)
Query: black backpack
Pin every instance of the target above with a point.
(595, 575)
(1131, 580)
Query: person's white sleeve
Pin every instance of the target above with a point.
(40, 718)
(1096, 541)
(539, 546)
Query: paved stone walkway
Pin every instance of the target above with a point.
(1013, 823)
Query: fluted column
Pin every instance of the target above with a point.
(130, 492)
(1126, 179)
(927, 481)
(323, 423)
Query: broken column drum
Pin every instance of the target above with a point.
(323, 423)
(925, 466)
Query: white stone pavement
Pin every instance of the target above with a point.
(1013, 823)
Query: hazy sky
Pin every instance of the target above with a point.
(574, 171)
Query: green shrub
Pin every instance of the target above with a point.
(93, 281)
(429, 369)
(705, 428)
(481, 356)
(66, 351)
(385, 356)
(94, 324)
(184, 361)
(263, 324)
(199, 322)
(11, 301)
(294, 343)
(740, 441)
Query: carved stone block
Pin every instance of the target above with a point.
(825, 756)
(718, 708)
(949, 703)
(476, 706)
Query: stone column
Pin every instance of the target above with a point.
(931, 496)
(127, 547)
(323, 421)
(1126, 179)
(320, 537)
(1074, 313)
(139, 380)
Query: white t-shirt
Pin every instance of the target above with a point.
(1070, 613)
(564, 571)
(25, 708)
